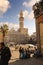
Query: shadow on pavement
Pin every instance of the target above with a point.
(30, 61)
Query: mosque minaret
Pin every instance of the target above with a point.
(21, 19)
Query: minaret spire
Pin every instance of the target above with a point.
(21, 13)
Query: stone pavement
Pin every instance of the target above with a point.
(30, 61)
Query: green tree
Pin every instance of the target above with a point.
(4, 30)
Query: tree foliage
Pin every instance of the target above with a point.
(4, 29)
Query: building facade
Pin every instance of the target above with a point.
(38, 14)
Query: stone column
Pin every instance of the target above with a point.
(38, 13)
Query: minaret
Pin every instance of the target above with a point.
(21, 19)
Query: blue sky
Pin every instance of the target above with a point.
(10, 9)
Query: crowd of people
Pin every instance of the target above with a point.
(24, 53)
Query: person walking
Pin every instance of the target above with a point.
(20, 51)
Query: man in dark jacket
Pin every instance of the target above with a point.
(5, 54)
